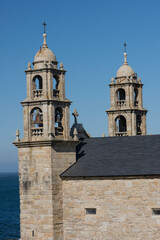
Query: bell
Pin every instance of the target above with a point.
(58, 118)
(38, 119)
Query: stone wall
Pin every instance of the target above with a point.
(36, 200)
(63, 156)
(41, 200)
(123, 209)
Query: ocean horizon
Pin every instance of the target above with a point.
(9, 206)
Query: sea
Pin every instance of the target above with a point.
(9, 206)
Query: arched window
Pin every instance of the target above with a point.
(37, 83)
(37, 86)
(58, 121)
(138, 124)
(55, 86)
(120, 125)
(36, 118)
(121, 98)
(135, 97)
(121, 95)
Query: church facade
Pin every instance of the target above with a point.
(73, 186)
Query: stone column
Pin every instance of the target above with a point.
(131, 96)
(45, 84)
(50, 84)
(51, 116)
(29, 85)
(113, 96)
(62, 85)
(134, 130)
(144, 131)
(66, 123)
(26, 127)
(45, 120)
(140, 97)
(129, 124)
(127, 92)
(111, 127)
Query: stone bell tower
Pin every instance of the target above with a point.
(126, 116)
(46, 149)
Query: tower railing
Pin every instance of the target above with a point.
(120, 134)
(36, 132)
(121, 103)
(37, 93)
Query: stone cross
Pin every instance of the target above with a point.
(44, 24)
(75, 114)
(125, 47)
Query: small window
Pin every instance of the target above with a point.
(156, 211)
(91, 211)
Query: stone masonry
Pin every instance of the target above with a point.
(126, 116)
(123, 208)
(46, 149)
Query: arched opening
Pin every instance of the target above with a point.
(58, 121)
(37, 118)
(37, 82)
(55, 86)
(37, 86)
(135, 97)
(36, 122)
(121, 97)
(120, 126)
(138, 124)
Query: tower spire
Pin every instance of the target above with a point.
(44, 35)
(125, 54)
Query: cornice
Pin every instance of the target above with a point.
(45, 143)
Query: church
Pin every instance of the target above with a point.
(74, 186)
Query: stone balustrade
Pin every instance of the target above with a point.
(121, 103)
(36, 132)
(120, 134)
(37, 93)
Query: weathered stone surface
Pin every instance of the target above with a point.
(127, 102)
(124, 209)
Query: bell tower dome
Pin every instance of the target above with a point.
(126, 116)
(46, 109)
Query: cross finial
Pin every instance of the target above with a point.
(125, 47)
(44, 24)
(75, 114)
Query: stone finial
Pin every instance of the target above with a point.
(125, 59)
(61, 66)
(112, 80)
(139, 80)
(103, 135)
(17, 136)
(29, 66)
(44, 40)
(75, 134)
(75, 114)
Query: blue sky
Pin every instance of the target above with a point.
(87, 36)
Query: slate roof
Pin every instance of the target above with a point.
(117, 156)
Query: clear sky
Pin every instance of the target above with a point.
(87, 36)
